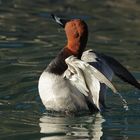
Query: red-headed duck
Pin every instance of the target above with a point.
(76, 80)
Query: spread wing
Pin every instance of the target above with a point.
(86, 78)
(106, 61)
(121, 71)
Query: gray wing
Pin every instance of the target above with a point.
(108, 66)
(120, 71)
(104, 63)
(86, 79)
(99, 63)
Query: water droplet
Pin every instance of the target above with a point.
(124, 102)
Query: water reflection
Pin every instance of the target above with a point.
(72, 127)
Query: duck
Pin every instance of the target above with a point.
(76, 80)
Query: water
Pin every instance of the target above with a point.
(29, 39)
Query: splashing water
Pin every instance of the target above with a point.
(124, 102)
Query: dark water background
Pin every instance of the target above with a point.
(29, 39)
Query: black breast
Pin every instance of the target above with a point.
(58, 65)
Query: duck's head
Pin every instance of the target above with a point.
(76, 32)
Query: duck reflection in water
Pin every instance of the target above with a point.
(71, 127)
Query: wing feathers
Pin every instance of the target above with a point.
(86, 78)
(121, 71)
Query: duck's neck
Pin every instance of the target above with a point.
(76, 48)
(58, 65)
